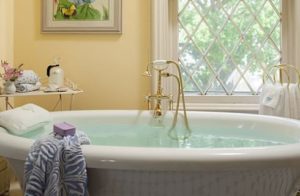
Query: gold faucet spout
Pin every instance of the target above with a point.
(158, 110)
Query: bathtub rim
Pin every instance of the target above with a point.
(112, 157)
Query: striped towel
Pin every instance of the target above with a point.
(55, 167)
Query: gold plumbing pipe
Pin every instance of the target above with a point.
(182, 93)
(176, 112)
(157, 108)
(178, 98)
(159, 96)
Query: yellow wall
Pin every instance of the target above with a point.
(107, 67)
(6, 35)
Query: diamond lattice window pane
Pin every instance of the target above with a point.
(225, 45)
(203, 37)
(190, 17)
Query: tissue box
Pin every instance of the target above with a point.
(64, 129)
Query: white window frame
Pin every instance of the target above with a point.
(164, 46)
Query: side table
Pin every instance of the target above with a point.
(41, 92)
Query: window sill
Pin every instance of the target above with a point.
(243, 104)
(217, 107)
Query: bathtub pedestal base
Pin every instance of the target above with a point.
(260, 182)
(266, 182)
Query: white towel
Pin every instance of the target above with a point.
(271, 95)
(23, 88)
(295, 101)
(271, 99)
(27, 77)
(24, 119)
(297, 97)
(279, 100)
(286, 102)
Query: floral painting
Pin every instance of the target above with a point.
(81, 10)
(82, 16)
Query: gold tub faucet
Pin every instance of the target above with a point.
(155, 100)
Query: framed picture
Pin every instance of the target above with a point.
(82, 16)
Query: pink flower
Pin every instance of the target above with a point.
(5, 65)
(10, 73)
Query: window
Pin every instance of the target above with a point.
(225, 46)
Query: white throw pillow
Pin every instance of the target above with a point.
(24, 119)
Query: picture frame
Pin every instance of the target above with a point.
(82, 16)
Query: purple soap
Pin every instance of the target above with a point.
(64, 129)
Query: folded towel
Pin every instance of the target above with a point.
(271, 99)
(55, 166)
(23, 88)
(275, 100)
(286, 103)
(294, 101)
(297, 100)
(23, 119)
(270, 95)
(27, 77)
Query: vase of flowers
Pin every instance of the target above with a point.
(9, 87)
(9, 76)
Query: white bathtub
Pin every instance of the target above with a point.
(124, 170)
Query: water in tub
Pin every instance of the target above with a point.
(204, 134)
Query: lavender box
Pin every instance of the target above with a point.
(64, 129)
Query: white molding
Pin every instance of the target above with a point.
(159, 34)
(226, 99)
(291, 35)
(243, 108)
(163, 38)
(246, 104)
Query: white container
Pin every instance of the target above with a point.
(56, 76)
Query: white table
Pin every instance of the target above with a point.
(42, 93)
